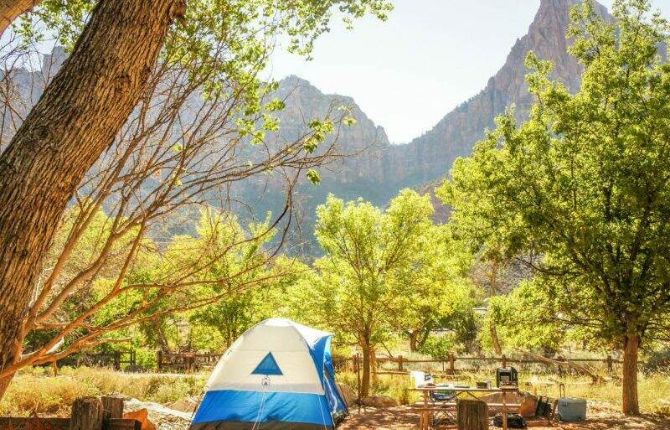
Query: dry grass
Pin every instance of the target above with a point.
(654, 390)
(35, 391)
(397, 387)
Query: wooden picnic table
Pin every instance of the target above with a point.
(426, 419)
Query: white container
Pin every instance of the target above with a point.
(421, 379)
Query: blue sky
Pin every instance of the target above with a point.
(430, 56)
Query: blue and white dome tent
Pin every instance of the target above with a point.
(278, 375)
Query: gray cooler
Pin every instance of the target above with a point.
(571, 409)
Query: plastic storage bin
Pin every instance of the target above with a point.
(571, 409)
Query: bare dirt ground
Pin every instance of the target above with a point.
(601, 417)
(400, 417)
(403, 417)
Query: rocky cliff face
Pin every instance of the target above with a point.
(364, 142)
(378, 170)
(362, 173)
(431, 155)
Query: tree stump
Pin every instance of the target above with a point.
(472, 414)
(112, 407)
(87, 414)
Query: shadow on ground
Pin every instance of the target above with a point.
(403, 417)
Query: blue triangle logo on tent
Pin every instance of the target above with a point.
(267, 366)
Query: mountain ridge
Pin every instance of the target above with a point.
(380, 169)
(455, 134)
(383, 168)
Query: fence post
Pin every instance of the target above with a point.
(504, 361)
(87, 414)
(400, 363)
(159, 360)
(452, 363)
(190, 362)
(117, 360)
(609, 364)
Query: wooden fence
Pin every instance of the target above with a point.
(191, 361)
(185, 361)
(88, 413)
(450, 364)
(115, 359)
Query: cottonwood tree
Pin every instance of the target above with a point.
(585, 181)
(241, 275)
(140, 312)
(87, 103)
(526, 319)
(354, 289)
(184, 146)
(491, 242)
(437, 291)
(10, 10)
(242, 306)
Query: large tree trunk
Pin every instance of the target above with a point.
(631, 405)
(495, 340)
(373, 365)
(163, 343)
(12, 9)
(365, 377)
(75, 120)
(414, 340)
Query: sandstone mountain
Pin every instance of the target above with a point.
(431, 155)
(377, 170)
(384, 169)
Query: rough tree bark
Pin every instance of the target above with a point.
(631, 405)
(75, 120)
(374, 378)
(495, 340)
(365, 375)
(497, 347)
(413, 341)
(12, 9)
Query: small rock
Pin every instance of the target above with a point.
(187, 404)
(163, 417)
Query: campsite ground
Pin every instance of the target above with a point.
(402, 417)
(171, 398)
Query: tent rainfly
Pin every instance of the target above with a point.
(278, 375)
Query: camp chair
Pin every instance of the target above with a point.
(440, 398)
(446, 394)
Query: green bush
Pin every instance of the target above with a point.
(438, 346)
